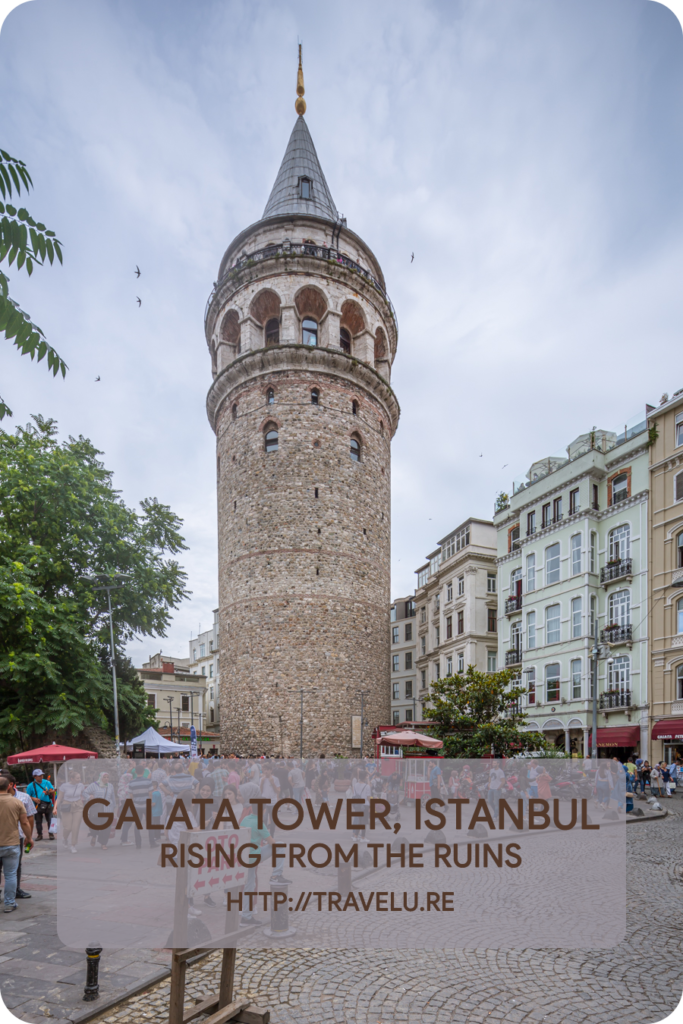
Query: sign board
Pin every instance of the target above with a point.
(139, 750)
(204, 881)
(355, 732)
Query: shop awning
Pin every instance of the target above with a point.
(619, 736)
(668, 729)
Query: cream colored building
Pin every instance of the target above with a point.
(666, 578)
(403, 634)
(456, 606)
(178, 695)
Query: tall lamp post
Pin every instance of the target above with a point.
(169, 701)
(109, 582)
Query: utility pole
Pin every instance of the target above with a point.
(191, 707)
(594, 736)
(109, 582)
(178, 710)
(169, 701)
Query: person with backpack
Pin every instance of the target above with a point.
(42, 793)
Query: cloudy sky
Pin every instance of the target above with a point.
(529, 152)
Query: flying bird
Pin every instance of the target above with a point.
(139, 300)
(506, 464)
(96, 379)
(412, 256)
(137, 270)
(481, 456)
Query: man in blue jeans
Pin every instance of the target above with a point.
(12, 815)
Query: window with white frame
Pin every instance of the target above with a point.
(423, 613)
(679, 615)
(408, 661)
(575, 671)
(491, 583)
(552, 683)
(679, 429)
(423, 645)
(679, 551)
(516, 635)
(437, 635)
(678, 487)
(461, 662)
(530, 573)
(395, 691)
(437, 603)
(679, 683)
(516, 582)
(491, 661)
(449, 591)
(461, 585)
(620, 608)
(423, 679)
(593, 613)
(620, 488)
(434, 564)
(151, 700)
(408, 717)
(396, 717)
(395, 663)
(576, 617)
(202, 650)
(576, 554)
(436, 670)
(449, 666)
(620, 543)
(422, 577)
(409, 688)
(530, 674)
(394, 634)
(619, 675)
(552, 564)
(553, 628)
(457, 542)
(393, 613)
(594, 552)
(531, 631)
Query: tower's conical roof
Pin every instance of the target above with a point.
(300, 161)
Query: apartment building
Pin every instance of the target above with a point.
(573, 553)
(403, 669)
(666, 577)
(456, 606)
(175, 692)
(204, 660)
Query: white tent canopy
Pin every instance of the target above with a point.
(155, 743)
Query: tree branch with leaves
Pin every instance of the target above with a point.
(25, 243)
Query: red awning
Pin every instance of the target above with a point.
(668, 729)
(46, 755)
(619, 736)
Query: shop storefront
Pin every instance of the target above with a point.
(670, 732)
(620, 741)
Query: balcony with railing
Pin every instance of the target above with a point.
(513, 657)
(616, 570)
(513, 604)
(615, 699)
(616, 634)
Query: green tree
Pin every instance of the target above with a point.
(474, 711)
(61, 520)
(25, 242)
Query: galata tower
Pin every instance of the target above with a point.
(302, 336)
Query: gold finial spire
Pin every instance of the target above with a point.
(300, 105)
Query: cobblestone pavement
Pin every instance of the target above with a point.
(630, 984)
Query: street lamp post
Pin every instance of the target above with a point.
(169, 701)
(109, 582)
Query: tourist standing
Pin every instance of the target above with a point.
(30, 815)
(69, 807)
(101, 790)
(41, 792)
(12, 815)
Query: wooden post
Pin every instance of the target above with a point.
(227, 977)
(177, 999)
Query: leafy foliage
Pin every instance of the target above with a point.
(475, 711)
(25, 242)
(60, 521)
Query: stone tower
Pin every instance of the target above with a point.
(302, 336)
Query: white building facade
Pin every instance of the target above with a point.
(204, 660)
(572, 552)
(456, 606)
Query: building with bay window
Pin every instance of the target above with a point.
(572, 556)
(403, 637)
(666, 577)
(455, 605)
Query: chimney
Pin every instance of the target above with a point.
(168, 667)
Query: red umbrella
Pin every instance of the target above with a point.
(53, 753)
(408, 738)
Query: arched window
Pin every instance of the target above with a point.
(272, 332)
(315, 396)
(309, 332)
(679, 615)
(270, 397)
(679, 546)
(234, 411)
(620, 608)
(620, 673)
(345, 341)
(678, 487)
(355, 449)
(354, 407)
(620, 543)
(679, 683)
(271, 439)
(619, 488)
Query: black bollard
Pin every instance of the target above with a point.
(92, 984)
(279, 917)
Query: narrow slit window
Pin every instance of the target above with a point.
(315, 396)
(355, 449)
(270, 397)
